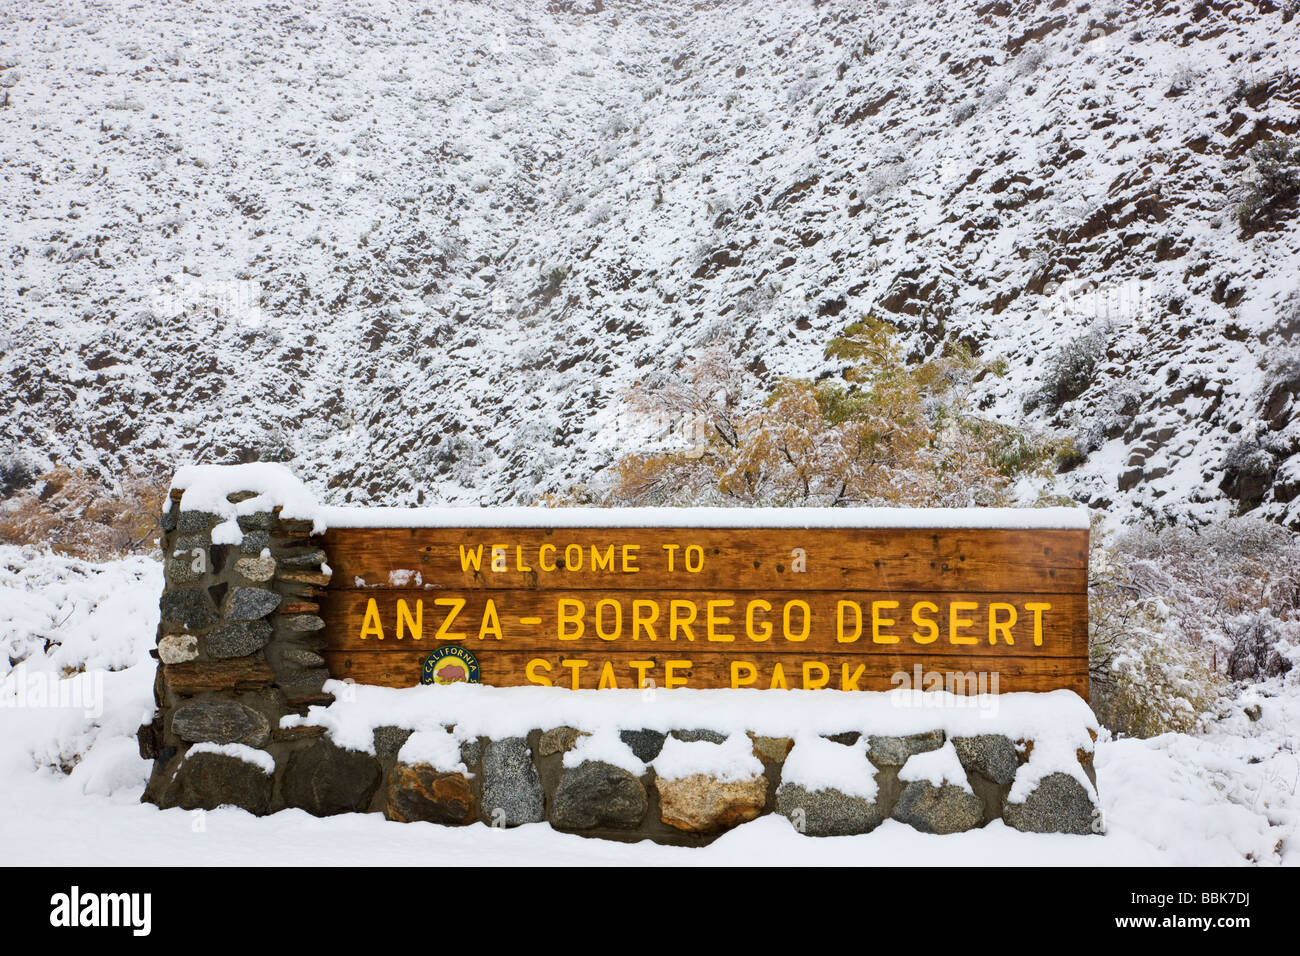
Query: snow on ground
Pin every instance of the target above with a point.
(73, 776)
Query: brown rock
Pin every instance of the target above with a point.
(771, 749)
(299, 607)
(318, 578)
(558, 740)
(281, 734)
(419, 792)
(241, 673)
(701, 803)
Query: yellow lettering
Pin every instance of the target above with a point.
(670, 678)
(807, 620)
(573, 558)
(877, 622)
(491, 623)
(630, 558)
(570, 611)
(1039, 608)
(997, 627)
(444, 632)
(766, 630)
(750, 670)
(533, 666)
(641, 667)
(405, 623)
(931, 626)
(696, 566)
(680, 622)
(714, 620)
(607, 679)
(841, 636)
(602, 562)
(617, 632)
(956, 621)
(850, 681)
(672, 553)
(574, 665)
(371, 625)
(821, 680)
(778, 678)
(640, 621)
(471, 560)
(541, 557)
(519, 559)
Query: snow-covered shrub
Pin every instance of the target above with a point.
(1177, 614)
(1271, 181)
(15, 475)
(1249, 466)
(74, 514)
(1029, 61)
(1069, 371)
(962, 112)
(1109, 418)
(889, 433)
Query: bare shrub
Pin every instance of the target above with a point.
(1177, 615)
(75, 514)
(1270, 182)
(890, 433)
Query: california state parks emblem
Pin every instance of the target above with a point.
(450, 664)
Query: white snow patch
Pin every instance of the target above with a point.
(258, 758)
(606, 747)
(438, 748)
(936, 766)
(206, 488)
(1049, 755)
(730, 761)
(816, 763)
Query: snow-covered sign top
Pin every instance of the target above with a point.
(206, 488)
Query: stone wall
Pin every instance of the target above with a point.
(239, 648)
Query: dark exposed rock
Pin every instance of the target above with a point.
(189, 608)
(992, 755)
(220, 721)
(645, 744)
(324, 779)
(389, 741)
(237, 638)
(942, 809)
(249, 604)
(597, 794)
(894, 751)
(206, 781)
(1059, 804)
(196, 522)
(827, 812)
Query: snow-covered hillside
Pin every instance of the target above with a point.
(423, 252)
(73, 775)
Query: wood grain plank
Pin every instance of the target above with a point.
(510, 669)
(763, 623)
(871, 559)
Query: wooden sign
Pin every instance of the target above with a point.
(970, 610)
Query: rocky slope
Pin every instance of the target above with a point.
(423, 253)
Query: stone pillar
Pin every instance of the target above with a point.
(239, 647)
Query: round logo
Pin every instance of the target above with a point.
(450, 664)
